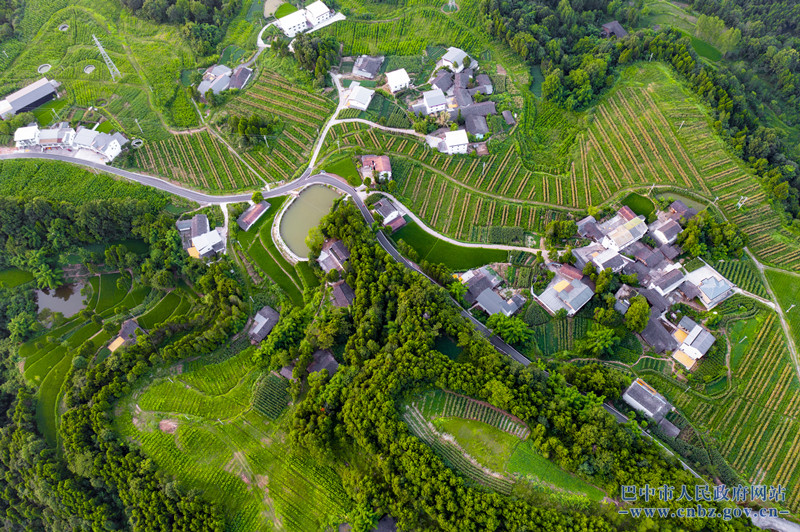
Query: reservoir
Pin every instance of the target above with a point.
(66, 299)
(304, 213)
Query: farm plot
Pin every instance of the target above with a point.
(241, 462)
(302, 114)
(753, 425)
(742, 273)
(161, 311)
(261, 249)
(271, 396)
(199, 160)
(786, 288)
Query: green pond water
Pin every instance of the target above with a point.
(304, 213)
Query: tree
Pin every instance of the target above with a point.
(511, 329)
(457, 290)
(258, 197)
(603, 281)
(638, 314)
(599, 340)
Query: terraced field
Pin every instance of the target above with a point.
(754, 423)
(198, 160)
(302, 114)
(47, 359)
(200, 427)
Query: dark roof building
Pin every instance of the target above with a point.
(670, 252)
(476, 125)
(263, 322)
(667, 281)
(509, 118)
(668, 428)
(128, 330)
(587, 228)
(192, 228)
(479, 109)
(656, 300)
(240, 77)
(367, 66)
(252, 215)
(653, 259)
(483, 79)
(463, 98)
(443, 80)
(491, 302)
(28, 98)
(323, 360)
(656, 335)
(614, 28)
(462, 78)
(342, 295)
(642, 397)
(333, 255)
(475, 286)
(569, 271)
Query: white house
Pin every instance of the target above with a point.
(434, 101)
(294, 23)
(398, 80)
(206, 245)
(317, 13)
(107, 145)
(454, 59)
(359, 96)
(60, 136)
(456, 141)
(25, 137)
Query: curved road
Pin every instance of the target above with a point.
(322, 179)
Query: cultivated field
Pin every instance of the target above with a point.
(754, 423)
(149, 57)
(302, 113)
(198, 160)
(261, 251)
(200, 427)
(47, 359)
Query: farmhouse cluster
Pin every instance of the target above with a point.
(198, 239)
(626, 244)
(63, 137)
(484, 293)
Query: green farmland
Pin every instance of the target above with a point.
(436, 251)
(261, 250)
(202, 427)
(786, 288)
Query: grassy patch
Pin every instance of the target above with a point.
(706, 50)
(454, 257)
(160, 312)
(639, 204)
(284, 9)
(446, 346)
(533, 466)
(346, 168)
(488, 445)
(787, 289)
(12, 277)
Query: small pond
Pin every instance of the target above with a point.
(304, 213)
(66, 299)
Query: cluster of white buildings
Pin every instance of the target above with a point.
(218, 78)
(62, 136)
(306, 19)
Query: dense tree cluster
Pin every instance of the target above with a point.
(704, 236)
(202, 23)
(252, 130)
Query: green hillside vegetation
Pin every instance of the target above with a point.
(437, 251)
(11, 277)
(257, 243)
(201, 427)
(60, 181)
(786, 288)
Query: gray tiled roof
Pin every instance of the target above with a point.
(463, 98)
(687, 324)
(477, 125)
(443, 80)
(367, 66)
(433, 98)
(669, 429)
(323, 360)
(656, 335)
(509, 118)
(668, 279)
(654, 404)
(714, 288)
(479, 109)
(703, 342)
